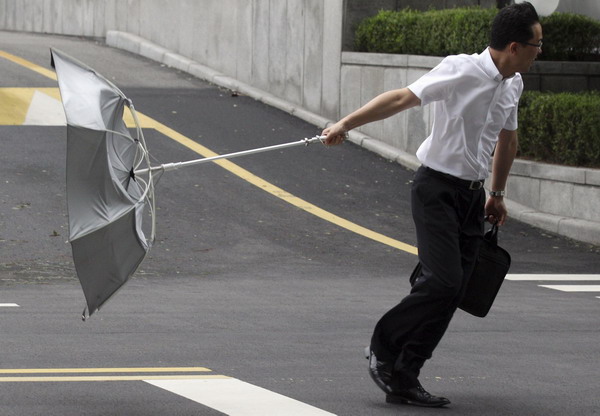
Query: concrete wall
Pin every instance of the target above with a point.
(564, 191)
(365, 75)
(563, 76)
(290, 48)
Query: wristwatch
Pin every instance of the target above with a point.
(497, 193)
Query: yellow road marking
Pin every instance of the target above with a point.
(14, 103)
(24, 374)
(110, 378)
(276, 191)
(29, 65)
(103, 370)
(244, 174)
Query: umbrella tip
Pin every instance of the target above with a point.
(84, 314)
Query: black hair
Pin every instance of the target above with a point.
(513, 24)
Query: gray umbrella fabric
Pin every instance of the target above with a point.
(105, 200)
(110, 183)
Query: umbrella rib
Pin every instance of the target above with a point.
(149, 185)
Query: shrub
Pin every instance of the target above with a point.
(466, 30)
(562, 128)
(434, 32)
(570, 37)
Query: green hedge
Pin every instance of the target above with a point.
(562, 128)
(466, 30)
(435, 32)
(570, 37)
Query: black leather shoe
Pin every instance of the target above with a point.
(416, 396)
(381, 372)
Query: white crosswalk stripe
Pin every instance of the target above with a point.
(574, 288)
(234, 397)
(554, 277)
(566, 278)
(225, 394)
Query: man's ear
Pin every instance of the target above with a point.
(512, 48)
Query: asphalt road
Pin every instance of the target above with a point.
(245, 285)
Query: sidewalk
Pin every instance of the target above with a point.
(577, 229)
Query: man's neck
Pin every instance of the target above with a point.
(502, 62)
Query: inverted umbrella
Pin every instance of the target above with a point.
(110, 183)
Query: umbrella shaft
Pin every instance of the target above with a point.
(177, 165)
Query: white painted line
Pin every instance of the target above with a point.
(554, 277)
(45, 111)
(238, 398)
(9, 305)
(574, 288)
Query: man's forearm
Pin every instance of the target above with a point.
(505, 153)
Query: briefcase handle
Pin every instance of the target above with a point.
(492, 234)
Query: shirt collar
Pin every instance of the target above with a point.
(488, 65)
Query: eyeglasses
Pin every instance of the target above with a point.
(537, 45)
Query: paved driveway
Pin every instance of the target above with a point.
(255, 302)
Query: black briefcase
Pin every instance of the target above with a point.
(491, 269)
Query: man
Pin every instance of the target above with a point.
(475, 99)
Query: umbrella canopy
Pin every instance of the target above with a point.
(106, 201)
(110, 183)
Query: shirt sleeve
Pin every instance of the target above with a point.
(438, 83)
(512, 122)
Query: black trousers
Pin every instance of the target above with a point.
(449, 221)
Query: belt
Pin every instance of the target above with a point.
(464, 183)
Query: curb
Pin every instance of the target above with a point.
(576, 229)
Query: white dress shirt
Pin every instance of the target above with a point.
(472, 103)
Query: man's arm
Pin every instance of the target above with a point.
(379, 108)
(504, 155)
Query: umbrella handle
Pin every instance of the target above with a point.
(177, 165)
